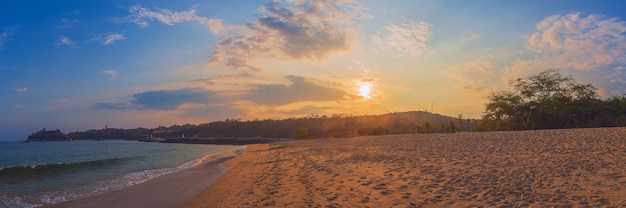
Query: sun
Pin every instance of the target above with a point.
(365, 89)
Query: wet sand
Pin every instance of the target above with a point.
(548, 168)
(165, 191)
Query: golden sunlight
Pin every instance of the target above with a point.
(365, 88)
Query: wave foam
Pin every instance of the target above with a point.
(101, 187)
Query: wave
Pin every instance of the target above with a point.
(15, 202)
(97, 188)
(143, 176)
(100, 187)
(128, 180)
(15, 174)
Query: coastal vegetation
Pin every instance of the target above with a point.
(550, 100)
(547, 100)
(314, 126)
(44, 135)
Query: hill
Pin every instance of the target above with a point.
(44, 135)
(301, 128)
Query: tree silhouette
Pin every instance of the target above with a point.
(428, 127)
(300, 133)
(549, 100)
(453, 127)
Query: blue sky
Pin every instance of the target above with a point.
(127, 64)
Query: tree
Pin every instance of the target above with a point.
(300, 133)
(453, 127)
(341, 132)
(418, 129)
(619, 104)
(428, 127)
(546, 100)
(460, 118)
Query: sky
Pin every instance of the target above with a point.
(70, 64)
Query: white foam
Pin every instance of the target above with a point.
(15, 202)
(143, 176)
(101, 187)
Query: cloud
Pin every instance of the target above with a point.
(580, 42)
(592, 47)
(4, 36)
(67, 23)
(290, 30)
(116, 106)
(233, 79)
(214, 111)
(110, 39)
(405, 38)
(140, 16)
(21, 89)
(65, 41)
(207, 81)
(472, 36)
(171, 99)
(163, 100)
(476, 76)
(111, 73)
(612, 81)
(300, 89)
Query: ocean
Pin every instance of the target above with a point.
(33, 174)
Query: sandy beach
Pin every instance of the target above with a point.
(547, 168)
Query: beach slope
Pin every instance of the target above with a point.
(563, 168)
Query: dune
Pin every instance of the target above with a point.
(545, 168)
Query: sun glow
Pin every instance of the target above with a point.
(365, 89)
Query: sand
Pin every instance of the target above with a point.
(548, 168)
(166, 191)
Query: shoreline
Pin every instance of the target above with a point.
(164, 191)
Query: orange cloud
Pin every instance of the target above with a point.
(290, 30)
(300, 89)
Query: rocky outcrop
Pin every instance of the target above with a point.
(44, 135)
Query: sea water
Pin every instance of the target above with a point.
(33, 174)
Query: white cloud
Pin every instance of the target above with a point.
(592, 47)
(110, 39)
(478, 75)
(65, 41)
(141, 16)
(67, 23)
(290, 29)
(405, 38)
(21, 89)
(580, 42)
(4, 36)
(472, 36)
(111, 73)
